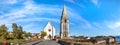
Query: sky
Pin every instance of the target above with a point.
(86, 17)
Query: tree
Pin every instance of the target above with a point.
(14, 27)
(43, 34)
(26, 34)
(10, 36)
(15, 30)
(3, 31)
(20, 32)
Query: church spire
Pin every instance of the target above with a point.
(64, 13)
(64, 25)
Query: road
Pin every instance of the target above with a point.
(48, 42)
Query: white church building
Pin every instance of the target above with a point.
(50, 30)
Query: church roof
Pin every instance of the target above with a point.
(49, 25)
(64, 13)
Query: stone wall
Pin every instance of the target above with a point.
(78, 42)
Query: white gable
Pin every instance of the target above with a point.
(50, 30)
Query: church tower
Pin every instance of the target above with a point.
(64, 25)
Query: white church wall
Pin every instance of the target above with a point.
(50, 30)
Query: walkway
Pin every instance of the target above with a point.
(48, 42)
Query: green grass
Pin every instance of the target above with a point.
(16, 41)
(19, 41)
(13, 41)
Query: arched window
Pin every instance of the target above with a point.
(49, 30)
(65, 21)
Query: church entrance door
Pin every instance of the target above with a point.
(49, 36)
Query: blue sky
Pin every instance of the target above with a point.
(86, 17)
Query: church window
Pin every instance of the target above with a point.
(65, 21)
(49, 30)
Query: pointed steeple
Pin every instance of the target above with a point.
(64, 25)
(64, 13)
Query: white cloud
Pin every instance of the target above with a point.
(76, 3)
(28, 26)
(71, 1)
(28, 9)
(26, 14)
(94, 2)
(12, 1)
(75, 17)
(31, 27)
(114, 25)
(36, 19)
(99, 25)
(8, 1)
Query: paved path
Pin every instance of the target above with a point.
(48, 42)
(31, 43)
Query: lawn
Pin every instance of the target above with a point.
(12, 41)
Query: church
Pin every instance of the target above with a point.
(50, 30)
(64, 27)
